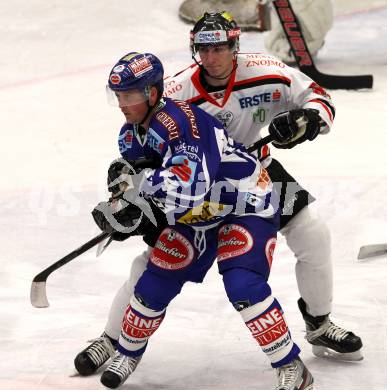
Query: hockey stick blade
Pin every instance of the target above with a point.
(304, 60)
(337, 82)
(367, 251)
(38, 295)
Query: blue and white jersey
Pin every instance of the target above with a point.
(203, 175)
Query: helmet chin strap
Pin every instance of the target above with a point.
(150, 108)
(146, 116)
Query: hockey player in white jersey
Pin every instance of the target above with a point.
(247, 92)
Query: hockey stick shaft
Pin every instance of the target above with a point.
(299, 48)
(38, 295)
(42, 276)
(301, 122)
(262, 142)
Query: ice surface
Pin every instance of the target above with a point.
(59, 135)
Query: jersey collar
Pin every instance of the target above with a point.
(204, 94)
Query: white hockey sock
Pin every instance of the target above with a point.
(308, 237)
(122, 298)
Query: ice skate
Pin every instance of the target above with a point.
(294, 376)
(95, 355)
(328, 339)
(119, 370)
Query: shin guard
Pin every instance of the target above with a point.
(268, 326)
(138, 325)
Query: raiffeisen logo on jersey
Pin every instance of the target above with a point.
(216, 36)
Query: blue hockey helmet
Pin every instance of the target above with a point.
(136, 71)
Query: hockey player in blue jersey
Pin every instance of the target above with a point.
(247, 92)
(198, 168)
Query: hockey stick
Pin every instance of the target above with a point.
(38, 294)
(372, 250)
(262, 142)
(303, 58)
(301, 121)
(103, 245)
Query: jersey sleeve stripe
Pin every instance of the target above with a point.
(327, 107)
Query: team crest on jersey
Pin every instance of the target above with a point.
(225, 117)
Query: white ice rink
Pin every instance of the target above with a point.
(58, 136)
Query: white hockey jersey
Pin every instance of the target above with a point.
(260, 87)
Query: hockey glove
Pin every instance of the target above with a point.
(120, 170)
(293, 127)
(121, 221)
(122, 215)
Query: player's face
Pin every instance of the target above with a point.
(133, 105)
(217, 60)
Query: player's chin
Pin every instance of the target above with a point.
(216, 73)
(129, 118)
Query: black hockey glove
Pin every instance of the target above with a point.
(118, 178)
(293, 127)
(122, 222)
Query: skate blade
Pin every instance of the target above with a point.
(325, 352)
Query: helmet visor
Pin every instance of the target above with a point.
(128, 98)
